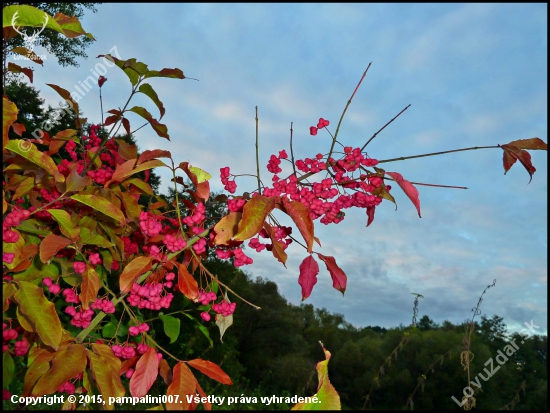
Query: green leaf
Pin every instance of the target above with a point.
(109, 330)
(65, 224)
(102, 205)
(327, 396)
(9, 115)
(201, 327)
(92, 238)
(148, 90)
(9, 369)
(28, 151)
(171, 327)
(131, 73)
(41, 312)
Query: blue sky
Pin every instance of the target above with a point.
(474, 74)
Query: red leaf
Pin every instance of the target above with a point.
(516, 153)
(18, 128)
(187, 283)
(308, 275)
(89, 286)
(370, 214)
(153, 154)
(408, 188)
(147, 369)
(101, 80)
(300, 215)
(278, 249)
(339, 278)
(51, 246)
(211, 370)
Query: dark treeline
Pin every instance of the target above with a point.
(274, 351)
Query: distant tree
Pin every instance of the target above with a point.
(426, 323)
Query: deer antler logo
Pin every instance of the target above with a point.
(29, 40)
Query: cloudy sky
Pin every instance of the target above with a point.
(474, 74)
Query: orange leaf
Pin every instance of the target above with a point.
(183, 384)
(40, 365)
(146, 373)
(300, 215)
(187, 283)
(89, 287)
(227, 227)
(165, 372)
(9, 116)
(255, 212)
(67, 364)
(532, 143)
(134, 269)
(105, 369)
(153, 154)
(51, 245)
(210, 369)
(277, 250)
(308, 275)
(339, 278)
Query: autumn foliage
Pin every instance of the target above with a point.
(85, 263)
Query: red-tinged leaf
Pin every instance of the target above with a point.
(408, 188)
(227, 228)
(300, 215)
(278, 247)
(183, 384)
(65, 135)
(153, 154)
(158, 127)
(111, 120)
(170, 73)
(199, 178)
(211, 370)
(165, 372)
(507, 160)
(12, 67)
(532, 143)
(37, 368)
(102, 205)
(28, 151)
(308, 275)
(89, 287)
(203, 190)
(66, 95)
(9, 116)
(41, 312)
(127, 169)
(18, 128)
(327, 396)
(143, 187)
(71, 26)
(370, 214)
(187, 283)
(101, 80)
(339, 278)
(65, 224)
(105, 370)
(128, 364)
(29, 54)
(75, 182)
(255, 212)
(145, 374)
(67, 364)
(131, 206)
(51, 245)
(523, 156)
(126, 124)
(134, 269)
(207, 405)
(126, 150)
(147, 89)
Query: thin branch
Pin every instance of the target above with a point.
(383, 127)
(292, 151)
(402, 158)
(257, 155)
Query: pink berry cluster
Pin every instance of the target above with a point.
(224, 308)
(320, 125)
(21, 347)
(279, 233)
(81, 318)
(67, 387)
(148, 222)
(240, 257)
(230, 186)
(52, 288)
(174, 244)
(79, 267)
(104, 305)
(13, 219)
(150, 295)
(236, 204)
(275, 161)
(137, 330)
